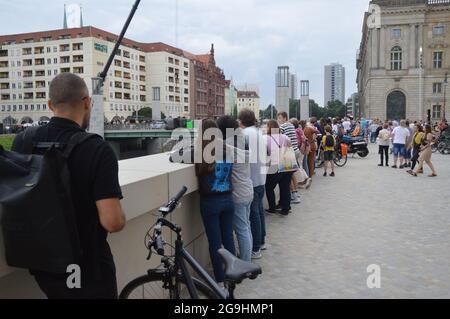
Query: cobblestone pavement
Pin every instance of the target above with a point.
(365, 215)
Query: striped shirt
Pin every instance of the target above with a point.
(289, 130)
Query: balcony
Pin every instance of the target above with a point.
(77, 46)
(26, 51)
(40, 73)
(143, 98)
(6, 97)
(127, 96)
(39, 62)
(127, 86)
(78, 58)
(4, 64)
(118, 85)
(65, 70)
(127, 76)
(40, 84)
(142, 88)
(27, 62)
(142, 58)
(3, 53)
(118, 63)
(118, 95)
(4, 86)
(39, 50)
(118, 74)
(28, 96)
(28, 85)
(65, 60)
(126, 54)
(64, 48)
(41, 95)
(78, 70)
(142, 78)
(28, 74)
(142, 68)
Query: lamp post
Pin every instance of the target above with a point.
(421, 84)
(445, 91)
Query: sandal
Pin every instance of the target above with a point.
(432, 175)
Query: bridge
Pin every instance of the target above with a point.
(116, 132)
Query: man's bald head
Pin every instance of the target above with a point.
(68, 90)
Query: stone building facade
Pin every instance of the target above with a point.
(403, 61)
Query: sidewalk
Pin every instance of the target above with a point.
(365, 215)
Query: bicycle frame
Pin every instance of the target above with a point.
(181, 255)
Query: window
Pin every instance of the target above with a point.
(156, 94)
(438, 30)
(436, 111)
(49, 61)
(396, 33)
(437, 59)
(49, 49)
(396, 58)
(437, 87)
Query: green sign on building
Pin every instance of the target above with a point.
(101, 47)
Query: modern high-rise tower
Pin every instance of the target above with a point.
(334, 83)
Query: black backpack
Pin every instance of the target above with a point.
(37, 215)
(329, 142)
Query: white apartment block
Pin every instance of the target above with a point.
(334, 83)
(249, 100)
(139, 75)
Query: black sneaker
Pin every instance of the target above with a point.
(271, 211)
(285, 213)
(325, 174)
(394, 166)
(387, 165)
(380, 165)
(332, 174)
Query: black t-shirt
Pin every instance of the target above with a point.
(93, 168)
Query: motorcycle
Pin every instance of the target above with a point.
(356, 145)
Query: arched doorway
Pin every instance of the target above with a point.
(396, 106)
(9, 121)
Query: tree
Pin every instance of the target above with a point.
(316, 110)
(336, 109)
(235, 111)
(145, 112)
(294, 108)
(269, 113)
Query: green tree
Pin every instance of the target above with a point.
(335, 109)
(269, 112)
(316, 110)
(145, 112)
(294, 108)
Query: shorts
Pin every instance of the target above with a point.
(399, 150)
(408, 154)
(328, 156)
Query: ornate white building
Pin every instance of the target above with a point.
(403, 59)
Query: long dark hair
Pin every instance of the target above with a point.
(428, 129)
(202, 169)
(272, 125)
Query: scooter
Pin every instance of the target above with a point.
(356, 145)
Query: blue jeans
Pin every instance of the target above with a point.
(258, 218)
(217, 214)
(241, 225)
(305, 165)
(373, 137)
(399, 150)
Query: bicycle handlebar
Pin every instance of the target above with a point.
(159, 246)
(173, 203)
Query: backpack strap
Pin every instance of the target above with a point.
(75, 140)
(28, 136)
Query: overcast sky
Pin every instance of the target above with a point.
(251, 37)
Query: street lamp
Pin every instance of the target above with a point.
(421, 85)
(445, 91)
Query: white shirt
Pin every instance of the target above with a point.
(258, 155)
(400, 135)
(347, 125)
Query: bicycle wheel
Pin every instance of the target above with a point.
(434, 148)
(151, 287)
(339, 160)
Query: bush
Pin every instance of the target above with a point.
(6, 141)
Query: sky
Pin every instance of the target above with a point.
(251, 37)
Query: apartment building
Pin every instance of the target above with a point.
(249, 100)
(141, 75)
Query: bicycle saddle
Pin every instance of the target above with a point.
(237, 270)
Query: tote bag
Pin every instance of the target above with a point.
(288, 161)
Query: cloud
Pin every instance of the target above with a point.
(251, 37)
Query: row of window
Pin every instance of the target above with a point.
(397, 58)
(26, 107)
(438, 30)
(39, 73)
(177, 62)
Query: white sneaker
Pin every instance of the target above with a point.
(263, 247)
(257, 255)
(295, 199)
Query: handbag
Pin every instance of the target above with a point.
(288, 160)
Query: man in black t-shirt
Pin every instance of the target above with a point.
(96, 192)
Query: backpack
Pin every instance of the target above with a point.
(37, 215)
(329, 142)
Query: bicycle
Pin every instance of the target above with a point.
(173, 277)
(338, 159)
